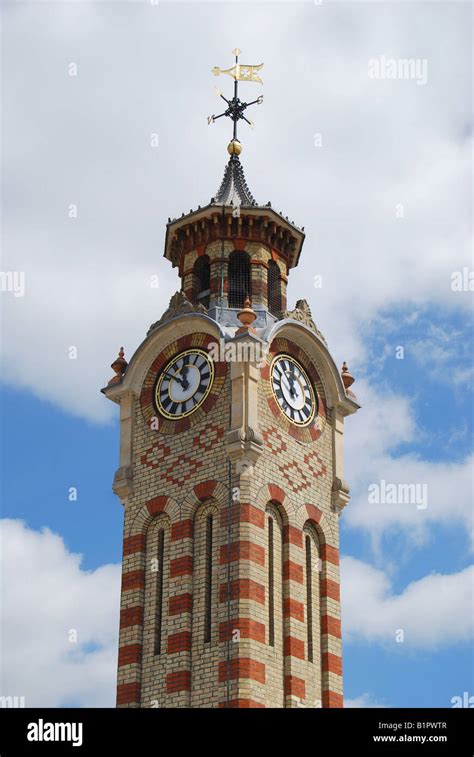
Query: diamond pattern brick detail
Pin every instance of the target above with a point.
(299, 478)
(178, 469)
(208, 437)
(181, 469)
(154, 455)
(274, 440)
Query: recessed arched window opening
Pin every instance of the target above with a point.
(271, 584)
(309, 598)
(205, 580)
(273, 288)
(208, 581)
(313, 589)
(202, 281)
(239, 279)
(274, 564)
(159, 591)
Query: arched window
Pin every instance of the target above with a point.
(239, 280)
(312, 580)
(271, 583)
(274, 575)
(156, 585)
(275, 660)
(160, 557)
(202, 281)
(273, 288)
(208, 580)
(205, 574)
(205, 631)
(155, 609)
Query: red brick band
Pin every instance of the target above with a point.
(179, 642)
(242, 550)
(181, 566)
(131, 616)
(129, 654)
(332, 699)
(179, 681)
(292, 535)
(247, 628)
(244, 588)
(331, 626)
(243, 512)
(180, 603)
(331, 554)
(128, 693)
(133, 579)
(242, 667)
(293, 647)
(182, 530)
(330, 589)
(295, 686)
(332, 663)
(293, 609)
(133, 544)
(292, 572)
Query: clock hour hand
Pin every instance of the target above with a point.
(184, 373)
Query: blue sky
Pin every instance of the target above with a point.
(386, 284)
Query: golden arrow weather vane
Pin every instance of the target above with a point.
(240, 72)
(236, 108)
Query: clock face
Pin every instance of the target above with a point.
(184, 384)
(293, 390)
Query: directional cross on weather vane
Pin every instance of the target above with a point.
(236, 107)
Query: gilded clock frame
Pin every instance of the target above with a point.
(314, 396)
(161, 375)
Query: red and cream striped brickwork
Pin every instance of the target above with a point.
(252, 584)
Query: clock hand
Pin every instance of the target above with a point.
(184, 373)
(174, 377)
(291, 383)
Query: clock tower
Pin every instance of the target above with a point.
(231, 471)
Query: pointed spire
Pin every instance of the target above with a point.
(233, 189)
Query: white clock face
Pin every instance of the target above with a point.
(293, 390)
(184, 384)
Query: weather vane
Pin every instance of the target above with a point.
(235, 107)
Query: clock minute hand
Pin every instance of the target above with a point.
(174, 377)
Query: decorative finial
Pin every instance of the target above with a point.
(119, 366)
(235, 107)
(246, 317)
(234, 147)
(347, 379)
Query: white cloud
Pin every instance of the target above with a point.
(45, 595)
(383, 143)
(363, 700)
(386, 421)
(433, 611)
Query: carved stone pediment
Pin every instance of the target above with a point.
(302, 313)
(179, 305)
